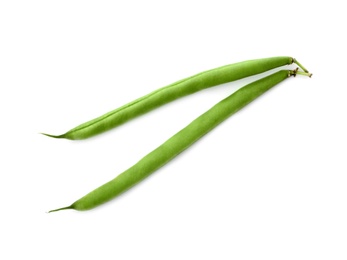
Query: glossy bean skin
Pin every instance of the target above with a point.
(179, 142)
(172, 92)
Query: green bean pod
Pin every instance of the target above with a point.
(172, 92)
(179, 142)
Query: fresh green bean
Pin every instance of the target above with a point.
(179, 142)
(172, 92)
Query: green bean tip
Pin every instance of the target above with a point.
(53, 136)
(54, 210)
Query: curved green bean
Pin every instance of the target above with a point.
(179, 142)
(172, 92)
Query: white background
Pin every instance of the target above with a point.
(268, 183)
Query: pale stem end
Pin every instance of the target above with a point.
(300, 65)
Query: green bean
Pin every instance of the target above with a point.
(179, 142)
(172, 92)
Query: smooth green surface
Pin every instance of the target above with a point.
(179, 142)
(172, 92)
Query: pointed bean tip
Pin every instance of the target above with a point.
(53, 136)
(64, 208)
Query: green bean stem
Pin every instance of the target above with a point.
(304, 73)
(172, 92)
(179, 142)
(300, 65)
